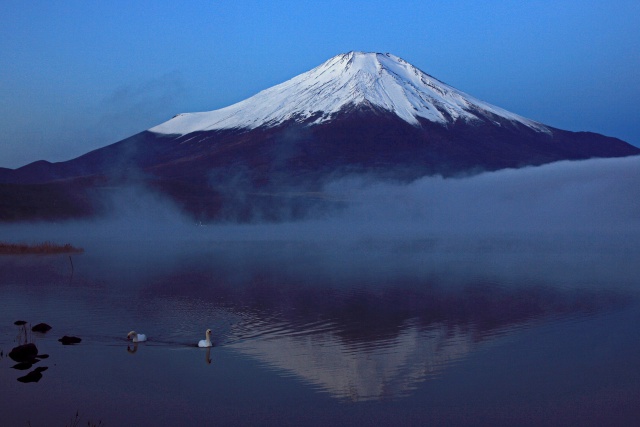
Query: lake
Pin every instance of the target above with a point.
(490, 330)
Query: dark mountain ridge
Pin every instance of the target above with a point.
(214, 170)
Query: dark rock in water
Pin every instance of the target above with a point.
(42, 356)
(23, 366)
(67, 340)
(33, 376)
(24, 353)
(41, 327)
(19, 322)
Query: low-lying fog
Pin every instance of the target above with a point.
(572, 218)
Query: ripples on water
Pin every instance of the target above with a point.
(364, 322)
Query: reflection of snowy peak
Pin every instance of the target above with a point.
(352, 79)
(386, 369)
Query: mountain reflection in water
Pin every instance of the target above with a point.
(362, 336)
(380, 346)
(362, 322)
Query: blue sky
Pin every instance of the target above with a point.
(79, 75)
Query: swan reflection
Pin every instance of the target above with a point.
(207, 356)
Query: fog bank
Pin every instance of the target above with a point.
(593, 196)
(597, 197)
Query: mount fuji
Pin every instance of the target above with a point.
(357, 113)
(342, 83)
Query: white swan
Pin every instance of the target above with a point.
(136, 337)
(206, 342)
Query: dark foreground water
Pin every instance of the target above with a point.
(485, 331)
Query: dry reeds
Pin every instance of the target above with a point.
(40, 248)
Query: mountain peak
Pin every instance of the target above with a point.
(349, 79)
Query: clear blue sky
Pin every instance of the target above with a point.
(77, 75)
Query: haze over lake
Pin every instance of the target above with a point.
(506, 298)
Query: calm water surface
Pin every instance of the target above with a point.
(494, 331)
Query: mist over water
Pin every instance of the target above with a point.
(574, 222)
(544, 219)
(592, 196)
(564, 206)
(391, 297)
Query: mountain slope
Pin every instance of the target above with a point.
(358, 113)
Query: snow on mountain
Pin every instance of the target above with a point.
(354, 78)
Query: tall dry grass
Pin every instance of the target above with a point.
(39, 248)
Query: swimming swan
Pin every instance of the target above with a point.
(206, 342)
(136, 337)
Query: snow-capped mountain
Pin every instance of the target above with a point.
(357, 113)
(344, 81)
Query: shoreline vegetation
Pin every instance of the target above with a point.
(39, 248)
